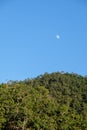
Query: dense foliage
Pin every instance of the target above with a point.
(56, 101)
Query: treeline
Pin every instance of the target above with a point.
(56, 101)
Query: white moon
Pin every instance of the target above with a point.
(58, 36)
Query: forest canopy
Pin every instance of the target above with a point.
(56, 101)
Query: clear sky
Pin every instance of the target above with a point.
(38, 36)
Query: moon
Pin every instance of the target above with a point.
(58, 36)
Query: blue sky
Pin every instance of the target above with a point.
(28, 43)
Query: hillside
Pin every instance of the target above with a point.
(56, 101)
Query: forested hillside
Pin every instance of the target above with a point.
(56, 101)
